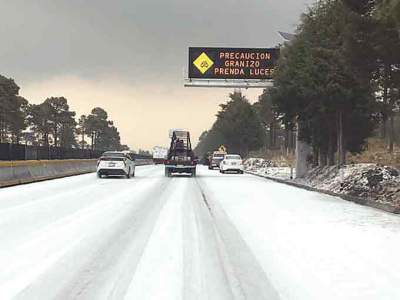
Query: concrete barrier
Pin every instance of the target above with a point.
(143, 162)
(19, 172)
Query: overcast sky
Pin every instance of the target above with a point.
(129, 56)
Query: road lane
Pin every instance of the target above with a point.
(217, 236)
(89, 238)
(58, 233)
(311, 246)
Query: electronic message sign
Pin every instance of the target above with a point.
(232, 63)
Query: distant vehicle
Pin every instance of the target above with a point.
(205, 160)
(231, 162)
(181, 157)
(216, 159)
(116, 163)
(160, 154)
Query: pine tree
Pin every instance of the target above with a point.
(318, 84)
(237, 127)
(13, 110)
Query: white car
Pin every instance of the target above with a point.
(113, 163)
(231, 162)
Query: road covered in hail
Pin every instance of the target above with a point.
(210, 237)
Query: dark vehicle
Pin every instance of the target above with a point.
(205, 160)
(181, 157)
(216, 159)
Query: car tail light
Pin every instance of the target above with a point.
(98, 162)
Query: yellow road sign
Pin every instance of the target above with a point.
(203, 63)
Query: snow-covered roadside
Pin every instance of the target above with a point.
(372, 182)
(263, 167)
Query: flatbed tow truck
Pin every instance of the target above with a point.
(181, 157)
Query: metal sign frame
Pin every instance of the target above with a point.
(231, 83)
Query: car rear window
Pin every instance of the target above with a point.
(112, 159)
(218, 155)
(114, 154)
(233, 157)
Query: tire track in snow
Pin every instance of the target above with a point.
(73, 243)
(159, 272)
(110, 270)
(205, 275)
(247, 272)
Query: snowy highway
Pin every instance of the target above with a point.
(216, 236)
